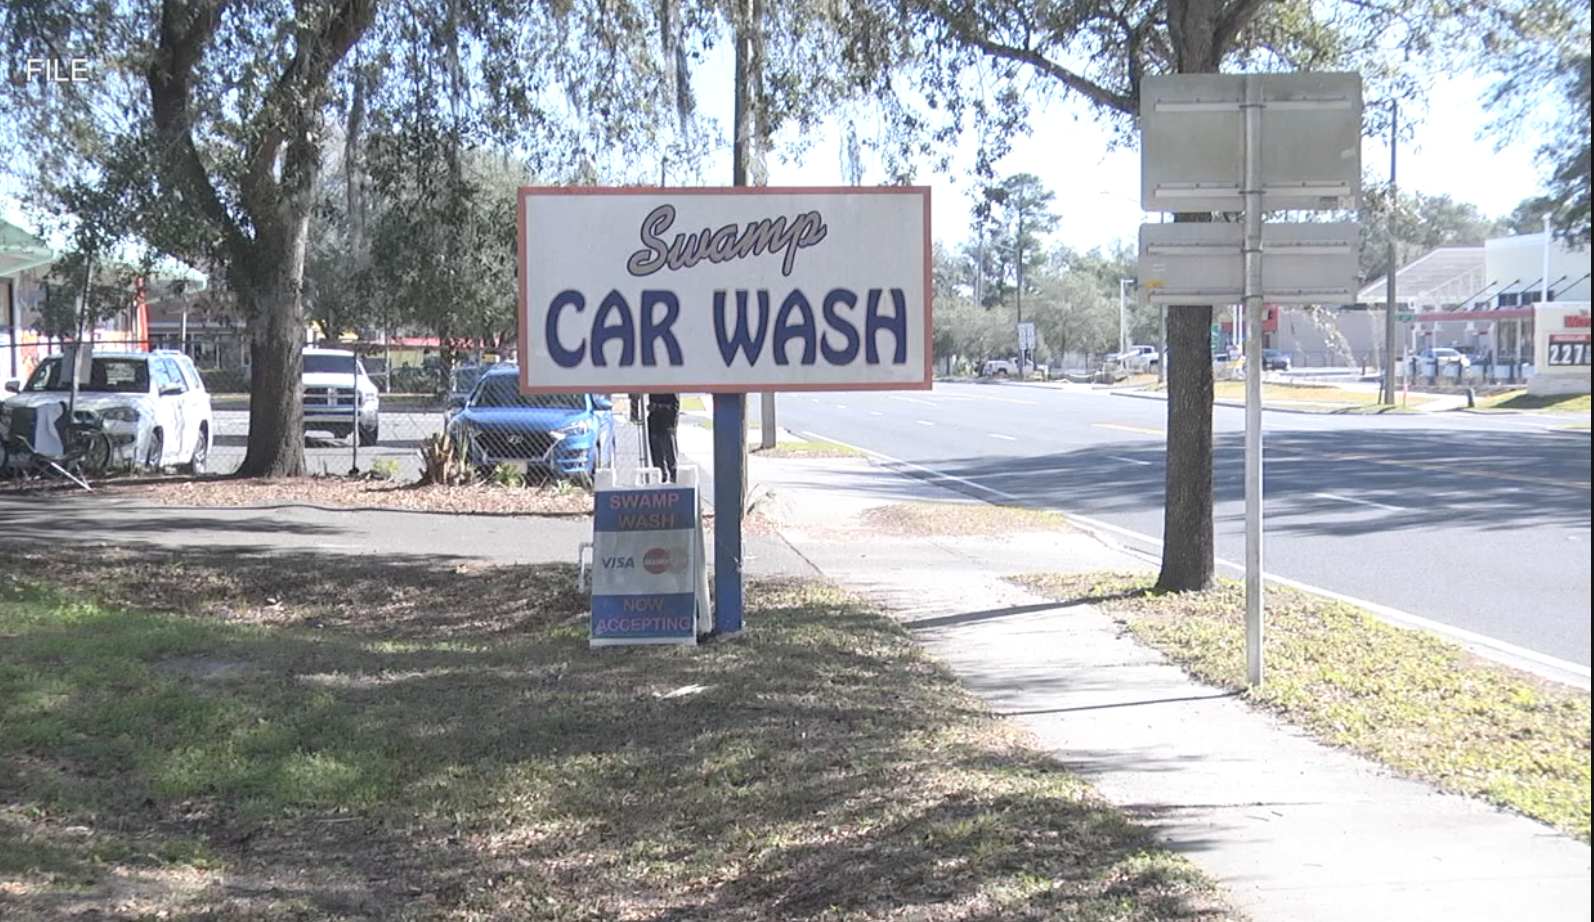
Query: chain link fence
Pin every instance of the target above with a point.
(391, 446)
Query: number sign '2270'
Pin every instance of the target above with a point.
(1569, 349)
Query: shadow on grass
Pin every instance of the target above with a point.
(393, 733)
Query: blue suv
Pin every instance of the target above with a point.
(563, 435)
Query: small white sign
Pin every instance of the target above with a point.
(724, 290)
(1026, 335)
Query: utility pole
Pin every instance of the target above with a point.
(1123, 315)
(1390, 357)
(1018, 248)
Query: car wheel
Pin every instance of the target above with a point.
(153, 451)
(199, 460)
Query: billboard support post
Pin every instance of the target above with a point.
(730, 436)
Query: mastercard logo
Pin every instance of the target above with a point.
(657, 560)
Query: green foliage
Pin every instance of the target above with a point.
(1537, 53)
(508, 475)
(1422, 223)
(385, 468)
(443, 242)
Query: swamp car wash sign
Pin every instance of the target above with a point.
(742, 289)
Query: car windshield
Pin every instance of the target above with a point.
(106, 375)
(504, 391)
(324, 364)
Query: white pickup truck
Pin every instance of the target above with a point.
(998, 368)
(339, 396)
(1137, 358)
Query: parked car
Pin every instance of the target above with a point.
(1275, 360)
(1137, 358)
(339, 397)
(460, 386)
(561, 435)
(153, 406)
(995, 368)
(1441, 356)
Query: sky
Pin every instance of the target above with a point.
(1098, 191)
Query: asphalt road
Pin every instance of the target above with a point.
(1480, 523)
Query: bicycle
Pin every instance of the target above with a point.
(84, 448)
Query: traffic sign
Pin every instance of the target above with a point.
(1026, 335)
(1203, 263)
(1192, 141)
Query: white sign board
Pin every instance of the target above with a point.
(647, 547)
(1203, 264)
(724, 290)
(1026, 335)
(1192, 141)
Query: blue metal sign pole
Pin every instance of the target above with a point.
(730, 419)
(730, 410)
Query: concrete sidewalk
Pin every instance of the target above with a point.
(1298, 831)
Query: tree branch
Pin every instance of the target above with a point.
(1091, 90)
(1234, 19)
(179, 49)
(288, 104)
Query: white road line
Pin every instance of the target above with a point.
(933, 474)
(876, 413)
(928, 403)
(1359, 502)
(1129, 460)
(924, 422)
(1005, 438)
(1498, 650)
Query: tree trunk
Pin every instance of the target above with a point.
(1188, 544)
(277, 334)
(276, 402)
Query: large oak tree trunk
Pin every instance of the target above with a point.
(276, 403)
(1200, 31)
(1188, 545)
(277, 334)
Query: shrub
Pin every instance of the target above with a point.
(444, 461)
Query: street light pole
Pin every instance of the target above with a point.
(1123, 315)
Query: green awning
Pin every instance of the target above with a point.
(20, 251)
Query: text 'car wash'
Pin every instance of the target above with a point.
(768, 289)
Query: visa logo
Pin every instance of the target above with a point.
(619, 563)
